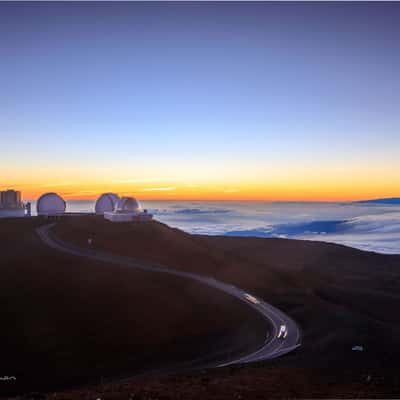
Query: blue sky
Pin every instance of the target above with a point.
(209, 90)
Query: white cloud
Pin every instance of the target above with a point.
(233, 190)
(144, 180)
(158, 189)
(377, 232)
(60, 184)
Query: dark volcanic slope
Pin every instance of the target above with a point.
(340, 296)
(66, 319)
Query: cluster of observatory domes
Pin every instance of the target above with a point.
(122, 209)
(113, 207)
(111, 202)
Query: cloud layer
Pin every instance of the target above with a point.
(372, 228)
(364, 226)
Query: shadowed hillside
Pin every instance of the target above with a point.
(340, 296)
(86, 319)
(67, 320)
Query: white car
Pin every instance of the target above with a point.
(251, 298)
(282, 332)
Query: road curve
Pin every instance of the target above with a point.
(272, 347)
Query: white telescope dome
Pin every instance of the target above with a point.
(50, 204)
(127, 204)
(106, 202)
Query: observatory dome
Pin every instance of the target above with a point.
(106, 202)
(127, 205)
(50, 204)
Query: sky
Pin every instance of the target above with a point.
(231, 101)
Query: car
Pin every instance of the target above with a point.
(251, 298)
(282, 333)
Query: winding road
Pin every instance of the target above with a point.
(272, 347)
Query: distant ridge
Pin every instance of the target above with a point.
(390, 200)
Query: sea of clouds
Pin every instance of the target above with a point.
(373, 227)
(364, 226)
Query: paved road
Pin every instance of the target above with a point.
(271, 348)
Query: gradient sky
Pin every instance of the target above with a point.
(201, 100)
